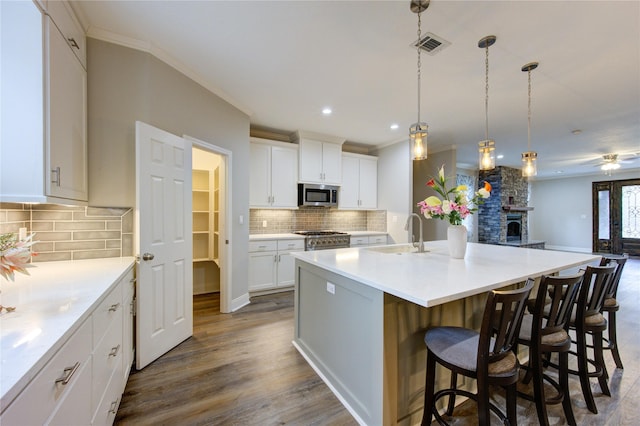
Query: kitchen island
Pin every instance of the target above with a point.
(361, 314)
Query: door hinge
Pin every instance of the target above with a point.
(133, 307)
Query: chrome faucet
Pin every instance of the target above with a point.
(406, 228)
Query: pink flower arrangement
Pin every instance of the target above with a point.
(15, 255)
(454, 205)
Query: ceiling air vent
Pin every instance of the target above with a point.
(431, 43)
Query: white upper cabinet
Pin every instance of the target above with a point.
(273, 174)
(66, 108)
(45, 130)
(359, 188)
(320, 160)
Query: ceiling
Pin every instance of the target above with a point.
(282, 62)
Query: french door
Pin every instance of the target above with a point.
(616, 217)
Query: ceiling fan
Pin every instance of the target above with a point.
(610, 162)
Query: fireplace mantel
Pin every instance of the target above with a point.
(512, 208)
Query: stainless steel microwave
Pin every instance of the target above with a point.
(310, 194)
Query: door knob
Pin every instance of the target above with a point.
(147, 256)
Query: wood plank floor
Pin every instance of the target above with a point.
(241, 369)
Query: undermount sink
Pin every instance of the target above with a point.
(394, 249)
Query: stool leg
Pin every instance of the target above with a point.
(613, 339)
(538, 388)
(599, 359)
(484, 416)
(583, 372)
(563, 373)
(512, 411)
(428, 389)
(452, 397)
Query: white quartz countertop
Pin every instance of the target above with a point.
(51, 304)
(432, 278)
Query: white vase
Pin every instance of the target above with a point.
(457, 239)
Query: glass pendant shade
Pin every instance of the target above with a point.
(486, 148)
(486, 155)
(529, 160)
(418, 135)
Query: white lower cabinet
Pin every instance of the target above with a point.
(83, 382)
(271, 266)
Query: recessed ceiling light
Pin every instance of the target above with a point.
(500, 156)
(394, 126)
(326, 111)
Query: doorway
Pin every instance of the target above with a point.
(616, 217)
(211, 235)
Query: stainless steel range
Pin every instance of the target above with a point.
(324, 240)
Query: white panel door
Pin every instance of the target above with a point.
(284, 177)
(332, 163)
(163, 242)
(368, 184)
(260, 176)
(349, 196)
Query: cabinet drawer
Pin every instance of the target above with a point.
(359, 241)
(265, 245)
(39, 399)
(110, 309)
(378, 239)
(290, 245)
(108, 407)
(107, 359)
(64, 19)
(75, 408)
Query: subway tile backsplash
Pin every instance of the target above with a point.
(315, 218)
(71, 233)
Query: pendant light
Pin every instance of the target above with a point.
(529, 158)
(486, 148)
(418, 131)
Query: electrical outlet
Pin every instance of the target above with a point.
(264, 223)
(331, 288)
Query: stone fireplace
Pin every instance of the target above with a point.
(503, 218)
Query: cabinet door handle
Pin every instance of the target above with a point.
(275, 258)
(73, 43)
(67, 374)
(114, 407)
(114, 307)
(114, 351)
(55, 172)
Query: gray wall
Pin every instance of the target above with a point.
(125, 85)
(562, 214)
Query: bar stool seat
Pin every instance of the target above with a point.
(486, 356)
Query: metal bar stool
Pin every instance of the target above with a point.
(486, 356)
(545, 332)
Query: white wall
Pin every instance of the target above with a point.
(394, 189)
(562, 215)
